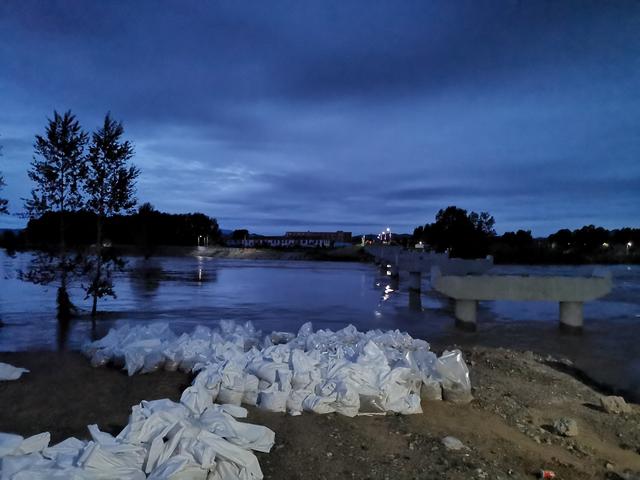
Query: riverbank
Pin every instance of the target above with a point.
(506, 429)
(345, 254)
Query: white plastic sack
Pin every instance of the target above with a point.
(9, 372)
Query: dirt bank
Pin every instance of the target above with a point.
(507, 428)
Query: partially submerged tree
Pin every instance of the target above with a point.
(57, 169)
(3, 201)
(109, 185)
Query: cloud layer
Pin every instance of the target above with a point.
(352, 115)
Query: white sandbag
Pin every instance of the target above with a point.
(347, 371)
(401, 387)
(273, 400)
(319, 404)
(9, 443)
(250, 394)
(65, 453)
(431, 389)
(179, 468)
(33, 444)
(454, 375)
(265, 369)
(295, 401)
(9, 372)
(12, 464)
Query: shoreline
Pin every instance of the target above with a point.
(505, 429)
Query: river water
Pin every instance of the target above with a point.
(282, 295)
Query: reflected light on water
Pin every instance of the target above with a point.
(387, 293)
(200, 268)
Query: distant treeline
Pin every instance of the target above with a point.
(471, 235)
(146, 229)
(589, 244)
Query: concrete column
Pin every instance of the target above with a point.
(415, 301)
(571, 317)
(465, 312)
(415, 281)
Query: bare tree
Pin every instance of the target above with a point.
(109, 185)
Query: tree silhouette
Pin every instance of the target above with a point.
(109, 185)
(3, 201)
(57, 169)
(461, 234)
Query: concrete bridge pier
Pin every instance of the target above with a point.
(466, 314)
(415, 301)
(415, 281)
(571, 316)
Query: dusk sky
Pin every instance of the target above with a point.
(325, 115)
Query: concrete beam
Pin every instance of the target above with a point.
(570, 292)
(516, 287)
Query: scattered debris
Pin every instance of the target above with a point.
(546, 474)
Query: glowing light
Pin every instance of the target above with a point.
(605, 245)
(629, 244)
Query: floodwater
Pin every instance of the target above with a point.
(282, 295)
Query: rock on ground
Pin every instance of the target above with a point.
(452, 443)
(614, 404)
(567, 427)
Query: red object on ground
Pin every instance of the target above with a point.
(547, 474)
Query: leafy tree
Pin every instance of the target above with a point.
(109, 185)
(463, 235)
(561, 240)
(57, 170)
(240, 234)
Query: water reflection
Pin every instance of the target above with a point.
(415, 301)
(146, 275)
(62, 332)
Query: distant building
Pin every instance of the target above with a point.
(325, 239)
(301, 239)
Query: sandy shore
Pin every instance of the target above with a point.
(507, 428)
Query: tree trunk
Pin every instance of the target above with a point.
(96, 279)
(63, 300)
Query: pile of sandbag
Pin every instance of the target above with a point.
(163, 440)
(346, 371)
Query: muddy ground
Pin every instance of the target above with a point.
(507, 429)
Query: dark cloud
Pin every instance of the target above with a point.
(361, 114)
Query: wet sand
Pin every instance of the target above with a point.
(506, 428)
